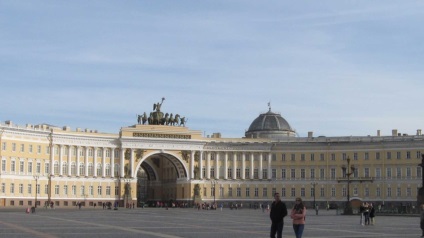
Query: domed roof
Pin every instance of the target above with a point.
(270, 125)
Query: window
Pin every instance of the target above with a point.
(312, 173)
(355, 156)
(64, 168)
(302, 157)
(389, 173)
(366, 156)
(408, 154)
(418, 154)
(283, 157)
(302, 192)
(30, 167)
(377, 155)
(283, 173)
(73, 169)
(47, 168)
(378, 173)
(333, 157)
(230, 191)
(255, 173)
(38, 149)
(333, 192)
(247, 192)
(3, 146)
(107, 153)
(108, 190)
(22, 148)
(107, 169)
(13, 147)
(99, 169)
(367, 192)
(321, 157)
(238, 192)
(344, 156)
(283, 192)
(333, 173)
(3, 188)
(399, 172)
(212, 172)
(256, 192)
(408, 192)
(74, 190)
(12, 166)
(46, 189)
(322, 173)
(12, 188)
(21, 188)
(81, 169)
(419, 172)
(366, 172)
(398, 155)
(322, 192)
(274, 173)
(29, 188)
(312, 157)
(293, 173)
(302, 174)
(82, 190)
(65, 189)
(398, 192)
(293, 192)
(247, 172)
(344, 192)
(229, 172)
(91, 190)
(389, 155)
(21, 167)
(378, 192)
(90, 169)
(293, 157)
(389, 192)
(264, 173)
(56, 167)
(3, 165)
(238, 173)
(56, 189)
(264, 192)
(99, 190)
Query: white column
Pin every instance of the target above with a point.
(95, 162)
(201, 164)
(78, 162)
(243, 165)
(269, 166)
(226, 165)
(234, 165)
(112, 163)
(217, 165)
(86, 162)
(104, 162)
(51, 159)
(121, 163)
(252, 166)
(192, 165)
(69, 160)
(208, 164)
(260, 165)
(132, 163)
(60, 159)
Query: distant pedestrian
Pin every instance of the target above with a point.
(298, 214)
(372, 214)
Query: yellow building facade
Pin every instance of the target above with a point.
(43, 164)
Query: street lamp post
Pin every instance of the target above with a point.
(36, 177)
(127, 192)
(213, 183)
(348, 171)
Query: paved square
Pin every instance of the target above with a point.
(190, 223)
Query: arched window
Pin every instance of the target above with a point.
(65, 168)
(73, 169)
(99, 169)
(56, 167)
(107, 169)
(81, 169)
(90, 169)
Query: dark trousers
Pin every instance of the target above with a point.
(277, 228)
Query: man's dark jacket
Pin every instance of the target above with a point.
(278, 211)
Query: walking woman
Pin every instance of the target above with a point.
(298, 214)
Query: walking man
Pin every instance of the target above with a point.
(277, 214)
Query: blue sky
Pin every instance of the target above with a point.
(337, 68)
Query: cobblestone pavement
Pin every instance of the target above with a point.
(190, 223)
